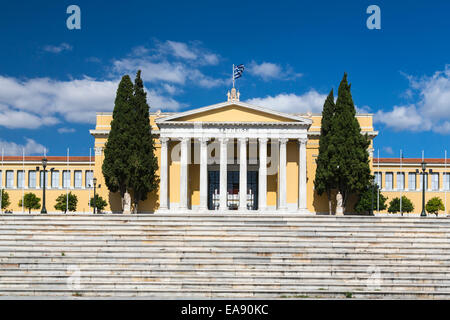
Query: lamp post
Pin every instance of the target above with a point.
(95, 199)
(44, 165)
(371, 202)
(423, 173)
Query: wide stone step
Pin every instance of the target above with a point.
(144, 250)
(254, 236)
(247, 262)
(284, 268)
(303, 278)
(226, 293)
(207, 223)
(220, 285)
(233, 243)
(227, 254)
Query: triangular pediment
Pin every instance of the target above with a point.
(234, 111)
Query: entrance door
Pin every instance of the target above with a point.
(232, 190)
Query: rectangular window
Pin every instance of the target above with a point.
(400, 181)
(55, 179)
(378, 179)
(20, 179)
(389, 180)
(447, 181)
(78, 179)
(89, 177)
(31, 179)
(9, 179)
(66, 179)
(435, 181)
(412, 181)
(420, 181)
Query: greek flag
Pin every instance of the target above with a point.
(238, 71)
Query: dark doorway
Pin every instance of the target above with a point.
(232, 190)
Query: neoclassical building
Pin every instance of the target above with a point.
(231, 156)
(226, 156)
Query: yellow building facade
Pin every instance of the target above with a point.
(22, 175)
(206, 156)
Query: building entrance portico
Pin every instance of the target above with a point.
(262, 140)
(233, 189)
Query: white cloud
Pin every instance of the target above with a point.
(268, 71)
(59, 48)
(160, 102)
(184, 51)
(37, 102)
(66, 130)
(403, 118)
(180, 49)
(15, 119)
(388, 150)
(157, 68)
(14, 149)
(431, 111)
(311, 101)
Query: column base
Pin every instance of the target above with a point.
(304, 211)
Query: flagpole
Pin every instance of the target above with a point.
(86, 182)
(1, 185)
(379, 187)
(23, 179)
(67, 182)
(232, 75)
(401, 156)
(448, 182)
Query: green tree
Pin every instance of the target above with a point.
(434, 205)
(31, 201)
(325, 179)
(61, 202)
(368, 197)
(348, 147)
(394, 205)
(5, 199)
(115, 166)
(99, 203)
(142, 161)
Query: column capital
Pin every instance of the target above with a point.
(163, 139)
(283, 140)
(303, 140)
(243, 140)
(263, 140)
(184, 139)
(204, 140)
(224, 140)
(98, 151)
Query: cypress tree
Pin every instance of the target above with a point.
(348, 147)
(142, 162)
(325, 175)
(115, 166)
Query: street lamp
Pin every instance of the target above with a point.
(44, 164)
(95, 199)
(423, 173)
(371, 202)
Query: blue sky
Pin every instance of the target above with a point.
(53, 80)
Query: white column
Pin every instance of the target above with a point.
(164, 174)
(184, 174)
(302, 196)
(243, 174)
(262, 182)
(223, 174)
(203, 174)
(282, 176)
